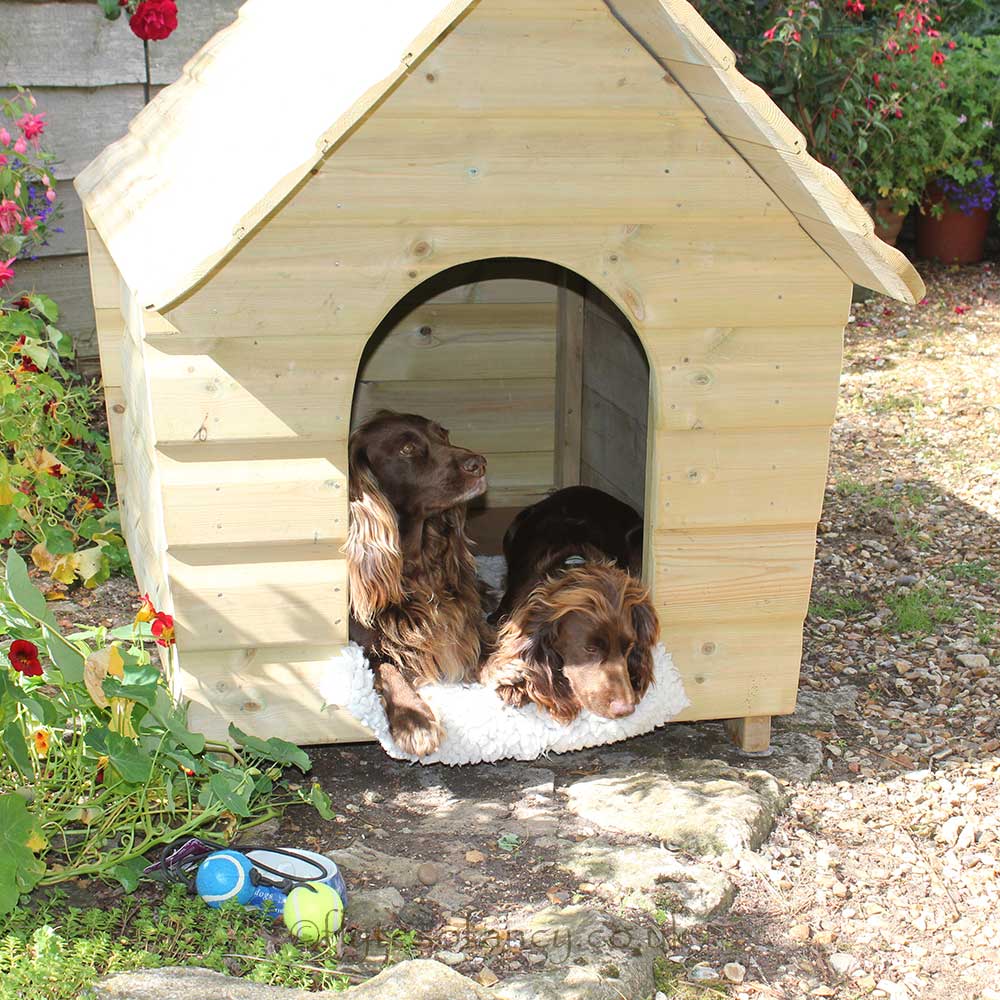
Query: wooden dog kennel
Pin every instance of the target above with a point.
(312, 168)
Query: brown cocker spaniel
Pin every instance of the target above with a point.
(576, 629)
(415, 603)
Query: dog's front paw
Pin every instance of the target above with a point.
(513, 694)
(416, 732)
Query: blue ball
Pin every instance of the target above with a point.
(222, 876)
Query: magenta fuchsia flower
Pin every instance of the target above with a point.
(4, 137)
(28, 225)
(32, 126)
(51, 195)
(10, 216)
(20, 147)
(6, 271)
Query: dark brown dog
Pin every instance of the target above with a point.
(576, 634)
(415, 604)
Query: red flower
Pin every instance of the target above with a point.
(27, 365)
(769, 34)
(10, 215)
(877, 79)
(961, 309)
(6, 271)
(146, 612)
(154, 20)
(28, 225)
(32, 126)
(23, 656)
(952, 45)
(938, 58)
(163, 629)
(796, 36)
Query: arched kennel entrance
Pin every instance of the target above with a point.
(526, 362)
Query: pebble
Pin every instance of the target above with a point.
(974, 661)
(428, 873)
(451, 958)
(734, 972)
(842, 963)
(703, 974)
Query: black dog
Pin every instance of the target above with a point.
(572, 524)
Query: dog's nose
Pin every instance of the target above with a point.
(620, 708)
(475, 465)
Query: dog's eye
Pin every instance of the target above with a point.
(591, 648)
(408, 449)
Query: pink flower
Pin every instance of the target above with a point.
(20, 147)
(4, 137)
(28, 225)
(32, 126)
(769, 34)
(10, 215)
(50, 195)
(3, 160)
(6, 271)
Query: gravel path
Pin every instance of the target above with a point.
(883, 878)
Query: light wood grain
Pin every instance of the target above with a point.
(731, 574)
(569, 386)
(752, 733)
(271, 691)
(742, 477)
(738, 377)
(230, 597)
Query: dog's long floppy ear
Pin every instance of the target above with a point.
(647, 632)
(544, 681)
(374, 555)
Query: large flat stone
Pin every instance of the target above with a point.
(588, 956)
(421, 978)
(701, 806)
(650, 878)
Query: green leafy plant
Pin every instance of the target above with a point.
(99, 766)
(55, 465)
(56, 951)
(918, 612)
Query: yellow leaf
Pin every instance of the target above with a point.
(6, 494)
(36, 842)
(89, 564)
(97, 666)
(65, 569)
(43, 461)
(42, 558)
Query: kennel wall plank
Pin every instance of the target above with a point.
(231, 596)
(243, 388)
(487, 415)
(738, 377)
(272, 691)
(737, 669)
(568, 406)
(660, 276)
(742, 477)
(258, 493)
(740, 573)
(443, 341)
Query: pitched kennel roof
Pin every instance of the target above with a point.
(261, 104)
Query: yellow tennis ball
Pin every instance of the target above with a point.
(313, 911)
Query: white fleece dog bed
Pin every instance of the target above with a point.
(480, 727)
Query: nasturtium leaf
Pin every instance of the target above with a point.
(280, 751)
(93, 566)
(128, 873)
(230, 787)
(320, 801)
(17, 749)
(45, 306)
(10, 520)
(185, 760)
(139, 683)
(58, 540)
(111, 9)
(62, 343)
(20, 870)
(140, 630)
(129, 760)
(173, 718)
(23, 592)
(67, 658)
(40, 355)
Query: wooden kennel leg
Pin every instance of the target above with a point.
(751, 734)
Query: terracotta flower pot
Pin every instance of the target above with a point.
(955, 238)
(888, 223)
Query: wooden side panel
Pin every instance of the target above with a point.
(267, 692)
(570, 347)
(259, 596)
(719, 378)
(615, 404)
(738, 574)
